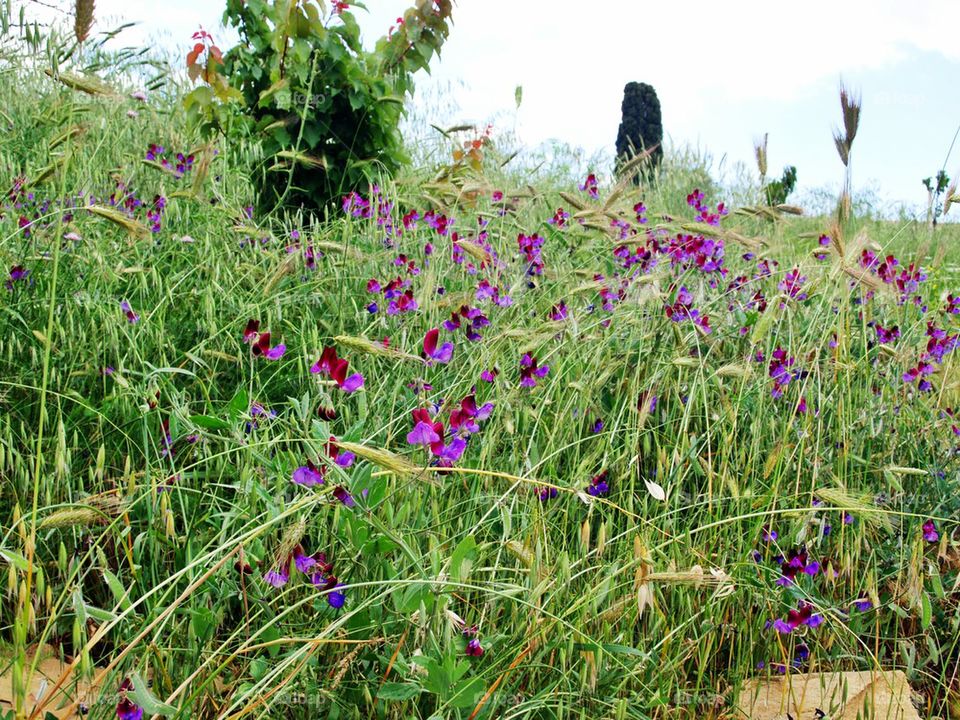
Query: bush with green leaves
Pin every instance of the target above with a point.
(325, 110)
(778, 191)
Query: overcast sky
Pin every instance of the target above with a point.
(725, 73)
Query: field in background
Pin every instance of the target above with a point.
(670, 447)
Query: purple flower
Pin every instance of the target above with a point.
(341, 494)
(132, 317)
(530, 370)
(17, 274)
(547, 493)
(308, 475)
(425, 431)
(303, 562)
(803, 615)
(126, 708)
(474, 649)
(930, 533)
(336, 598)
(862, 604)
(278, 577)
(598, 486)
(329, 364)
(341, 458)
(432, 353)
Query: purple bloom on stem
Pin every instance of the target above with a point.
(530, 370)
(341, 458)
(126, 708)
(930, 533)
(304, 563)
(17, 274)
(803, 615)
(598, 486)
(132, 317)
(425, 431)
(432, 353)
(278, 577)
(336, 598)
(341, 494)
(474, 648)
(862, 604)
(308, 475)
(489, 375)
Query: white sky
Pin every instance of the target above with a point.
(725, 73)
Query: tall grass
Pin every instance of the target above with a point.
(161, 473)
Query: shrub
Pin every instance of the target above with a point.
(778, 191)
(641, 127)
(325, 110)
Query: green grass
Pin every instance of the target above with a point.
(134, 562)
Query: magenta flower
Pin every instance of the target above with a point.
(796, 562)
(803, 615)
(547, 493)
(303, 562)
(489, 376)
(559, 311)
(559, 218)
(251, 332)
(887, 335)
(530, 371)
(308, 475)
(465, 418)
(598, 486)
(132, 317)
(792, 285)
(279, 576)
(590, 186)
(262, 348)
(341, 494)
(126, 708)
(779, 369)
(260, 342)
(17, 274)
(341, 458)
(474, 649)
(930, 533)
(330, 365)
(425, 431)
(403, 303)
(432, 353)
(682, 309)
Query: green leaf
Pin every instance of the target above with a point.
(238, 404)
(99, 614)
(15, 559)
(146, 699)
(398, 692)
(461, 560)
(468, 694)
(208, 422)
(926, 611)
(116, 587)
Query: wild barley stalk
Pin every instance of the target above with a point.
(82, 19)
(850, 107)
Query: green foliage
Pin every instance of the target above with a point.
(326, 111)
(778, 191)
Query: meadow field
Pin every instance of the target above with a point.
(483, 441)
